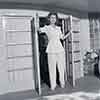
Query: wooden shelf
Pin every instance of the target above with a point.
(76, 31)
(9, 31)
(19, 69)
(76, 61)
(19, 44)
(76, 51)
(14, 57)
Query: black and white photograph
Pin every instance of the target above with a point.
(49, 50)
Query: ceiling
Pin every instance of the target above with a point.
(77, 5)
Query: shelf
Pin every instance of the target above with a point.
(77, 61)
(14, 57)
(17, 31)
(76, 41)
(19, 44)
(19, 69)
(76, 31)
(76, 51)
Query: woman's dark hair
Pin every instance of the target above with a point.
(49, 15)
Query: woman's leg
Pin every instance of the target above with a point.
(61, 67)
(52, 70)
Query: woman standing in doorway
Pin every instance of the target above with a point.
(55, 50)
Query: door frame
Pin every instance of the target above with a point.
(69, 70)
(63, 18)
(37, 16)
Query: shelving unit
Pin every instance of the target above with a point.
(72, 49)
(19, 52)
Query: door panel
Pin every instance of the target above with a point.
(72, 48)
(72, 45)
(68, 51)
(76, 47)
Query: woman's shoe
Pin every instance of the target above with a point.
(63, 86)
(53, 88)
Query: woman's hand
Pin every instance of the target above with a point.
(62, 36)
(65, 36)
(39, 30)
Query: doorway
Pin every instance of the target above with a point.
(72, 51)
(43, 42)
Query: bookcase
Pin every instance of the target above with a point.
(72, 49)
(18, 52)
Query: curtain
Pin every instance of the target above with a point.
(94, 22)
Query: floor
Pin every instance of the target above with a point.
(87, 88)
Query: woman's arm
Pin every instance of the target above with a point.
(66, 36)
(62, 36)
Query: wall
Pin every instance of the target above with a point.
(84, 37)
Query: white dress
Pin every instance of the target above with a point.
(54, 35)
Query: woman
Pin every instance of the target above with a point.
(55, 50)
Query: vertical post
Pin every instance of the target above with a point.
(37, 51)
(63, 30)
(64, 43)
(73, 67)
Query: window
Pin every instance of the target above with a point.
(94, 22)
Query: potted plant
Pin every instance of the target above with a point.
(89, 60)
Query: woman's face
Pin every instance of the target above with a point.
(52, 19)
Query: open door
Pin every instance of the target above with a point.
(68, 51)
(72, 49)
(35, 47)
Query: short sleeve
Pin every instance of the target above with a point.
(44, 29)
